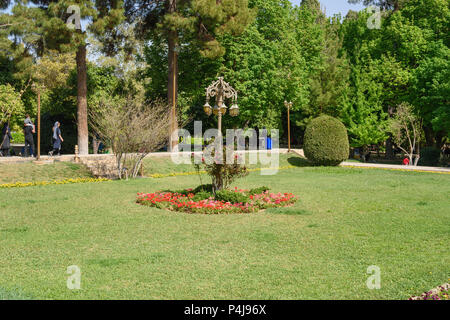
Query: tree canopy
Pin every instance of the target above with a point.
(269, 50)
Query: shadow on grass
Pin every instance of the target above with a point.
(289, 211)
(15, 230)
(299, 162)
(14, 294)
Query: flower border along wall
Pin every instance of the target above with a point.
(224, 202)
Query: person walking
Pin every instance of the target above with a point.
(57, 139)
(28, 132)
(5, 141)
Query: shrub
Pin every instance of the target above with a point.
(202, 195)
(429, 156)
(258, 190)
(132, 126)
(204, 187)
(326, 141)
(231, 196)
(221, 171)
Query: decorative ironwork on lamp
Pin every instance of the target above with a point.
(221, 90)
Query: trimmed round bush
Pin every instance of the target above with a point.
(326, 141)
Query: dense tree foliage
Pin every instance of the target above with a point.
(269, 50)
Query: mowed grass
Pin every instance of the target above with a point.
(29, 171)
(346, 220)
(165, 165)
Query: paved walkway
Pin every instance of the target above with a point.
(394, 167)
(71, 157)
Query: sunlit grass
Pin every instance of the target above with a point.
(346, 219)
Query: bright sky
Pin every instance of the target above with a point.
(336, 6)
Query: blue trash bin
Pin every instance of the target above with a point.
(269, 143)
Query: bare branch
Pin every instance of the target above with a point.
(132, 129)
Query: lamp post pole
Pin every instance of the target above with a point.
(38, 124)
(219, 115)
(288, 106)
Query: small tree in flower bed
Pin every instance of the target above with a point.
(188, 201)
(223, 167)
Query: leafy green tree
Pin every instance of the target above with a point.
(11, 104)
(45, 27)
(329, 83)
(430, 91)
(266, 66)
(364, 116)
(313, 5)
(180, 23)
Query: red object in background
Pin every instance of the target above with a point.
(406, 161)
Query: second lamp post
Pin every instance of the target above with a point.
(288, 106)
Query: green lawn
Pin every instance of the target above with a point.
(346, 220)
(164, 165)
(28, 172)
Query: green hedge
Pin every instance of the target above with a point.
(326, 141)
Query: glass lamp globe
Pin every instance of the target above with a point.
(234, 110)
(223, 109)
(216, 110)
(207, 108)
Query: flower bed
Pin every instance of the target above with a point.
(191, 201)
(439, 293)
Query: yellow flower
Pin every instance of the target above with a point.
(45, 183)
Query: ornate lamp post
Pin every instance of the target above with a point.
(221, 90)
(288, 106)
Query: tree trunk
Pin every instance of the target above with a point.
(396, 5)
(389, 149)
(83, 133)
(172, 83)
(95, 145)
(429, 136)
(440, 140)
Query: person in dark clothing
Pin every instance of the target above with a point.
(5, 141)
(28, 131)
(57, 139)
